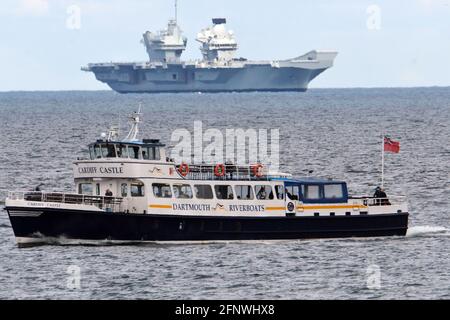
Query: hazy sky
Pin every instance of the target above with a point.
(380, 43)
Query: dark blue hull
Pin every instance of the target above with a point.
(94, 226)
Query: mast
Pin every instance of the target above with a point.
(134, 131)
(176, 11)
(382, 159)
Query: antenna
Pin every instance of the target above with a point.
(176, 11)
(118, 124)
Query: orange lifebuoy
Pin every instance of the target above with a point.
(256, 169)
(183, 169)
(219, 170)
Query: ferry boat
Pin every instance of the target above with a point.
(129, 191)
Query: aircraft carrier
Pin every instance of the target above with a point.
(217, 71)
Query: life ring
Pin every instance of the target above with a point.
(219, 170)
(183, 169)
(256, 170)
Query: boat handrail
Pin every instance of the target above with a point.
(232, 172)
(106, 203)
(374, 201)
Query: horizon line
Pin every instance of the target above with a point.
(149, 93)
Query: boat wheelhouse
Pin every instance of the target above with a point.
(130, 191)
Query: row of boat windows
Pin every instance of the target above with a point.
(135, 189)
(247, 192)
(124, 151)
(226, 192)
(315, 191)
(221, 192)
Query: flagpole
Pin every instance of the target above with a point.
(382, 160)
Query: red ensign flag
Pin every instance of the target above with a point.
(391, 146)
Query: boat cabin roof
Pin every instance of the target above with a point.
(308, 180)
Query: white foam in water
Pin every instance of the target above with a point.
(422, 230)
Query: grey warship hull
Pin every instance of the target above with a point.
(289, 75)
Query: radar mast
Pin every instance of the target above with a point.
(135, 120)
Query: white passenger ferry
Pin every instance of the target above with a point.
(129, 191)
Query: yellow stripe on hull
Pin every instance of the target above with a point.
(275, 208)
(160, 206)
(332, 207)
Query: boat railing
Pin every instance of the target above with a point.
(110, 204)
(231, 172)
(374, 201)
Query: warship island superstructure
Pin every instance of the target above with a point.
(218, 70)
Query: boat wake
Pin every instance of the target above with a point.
(40, 240)
(419, 231)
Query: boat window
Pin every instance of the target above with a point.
(182, 191)
(151, 153)
(124, 189)
(203, 191)
(122, 151)
(244, 192)
(137, 190)
(157, 153)
(146, 153)
(292, 192)
(85, 188)
(98, 151)
(161, 190)
(97, 189)
(333, 191)
(92, 153)
(133, 152)
(264, 192)
(311, 192)
(108, 151)
(279, 190)
(224, 192)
